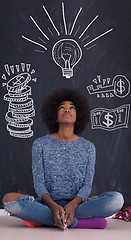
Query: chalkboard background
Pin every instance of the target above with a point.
(106, 58)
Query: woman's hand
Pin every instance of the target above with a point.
(57, 211)
(70, 209)
(69, 213)
(54, 207)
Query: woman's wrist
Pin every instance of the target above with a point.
(49, 202)
(52, 206)
(76, 201)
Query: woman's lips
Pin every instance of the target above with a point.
(67, 114)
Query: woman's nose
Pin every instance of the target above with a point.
(67, 110)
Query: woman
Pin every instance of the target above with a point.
(63, 166)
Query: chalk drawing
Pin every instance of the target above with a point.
(110, 119)
(66, 54)
(119, 87)
(21, 106)
(69, 29)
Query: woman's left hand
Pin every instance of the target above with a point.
(69, 213)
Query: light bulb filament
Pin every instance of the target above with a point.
(67, 58)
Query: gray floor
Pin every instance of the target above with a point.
(14, 229)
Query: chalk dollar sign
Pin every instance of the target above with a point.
(120, 87)
(109, 122)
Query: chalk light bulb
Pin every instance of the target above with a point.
(66, 54)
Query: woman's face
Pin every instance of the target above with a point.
(66, 112)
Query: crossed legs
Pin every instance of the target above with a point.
(28, 208)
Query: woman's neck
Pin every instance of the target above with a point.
(65, 133)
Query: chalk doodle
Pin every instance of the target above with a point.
(21, 106)
(110, 119)
(66, 52)
(119, 86)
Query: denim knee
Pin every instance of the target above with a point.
(15, 208)
(117, 200)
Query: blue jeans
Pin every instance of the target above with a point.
(35, 210)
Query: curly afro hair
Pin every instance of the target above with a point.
(50, 108)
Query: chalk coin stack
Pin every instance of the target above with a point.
(21, 108)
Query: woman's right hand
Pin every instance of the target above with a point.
(54, 207)
(57, 211)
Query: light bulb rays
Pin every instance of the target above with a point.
(88, 26)
(68, 31)
(64, 20)
(32, 41)
(77, 31)
(64, 29)
(51, 20)
(73, 25)
(66, 52)
(98, 37)
(39, 28)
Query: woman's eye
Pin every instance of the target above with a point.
(61, 108)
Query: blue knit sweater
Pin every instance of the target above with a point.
(64, 170)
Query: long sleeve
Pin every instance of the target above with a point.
(63, 173)
(38, 169)
(85, 190)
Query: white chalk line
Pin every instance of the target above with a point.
(42, 40)
(39, 51)
(85, 38)
(51, 20)
(88, 26)
(98, 37)
(61, 28)
(75, 21)
(50, 32)
(77, 31)
(34, 42)
(64, 20)
(39, 28)
(91, 46)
